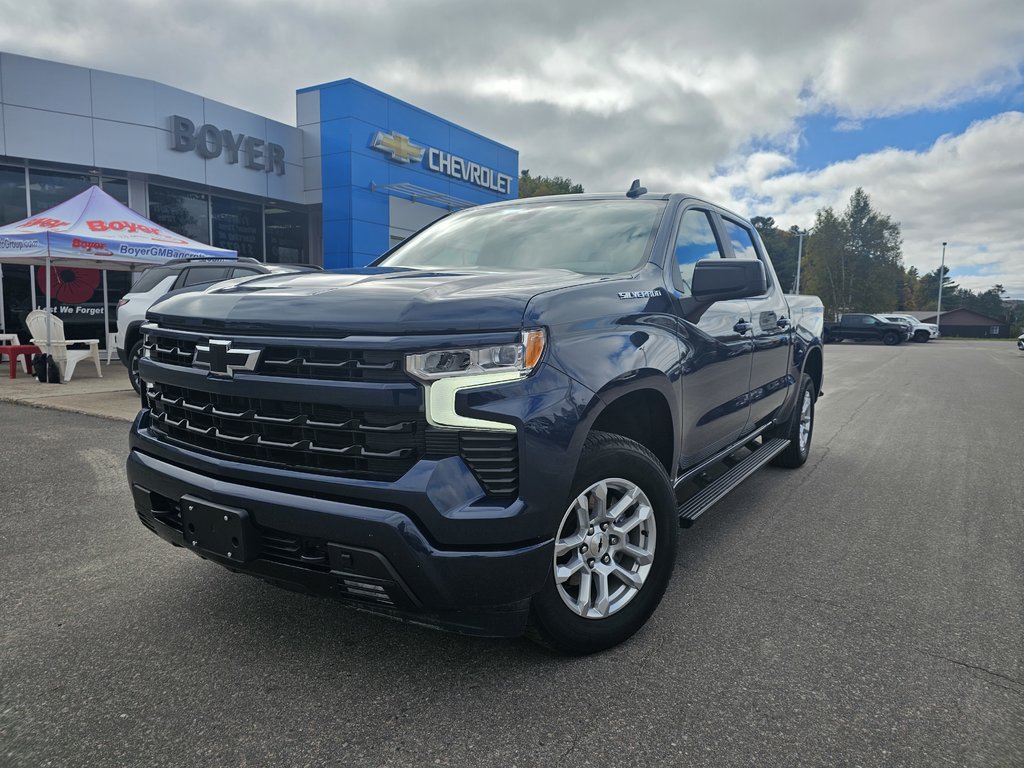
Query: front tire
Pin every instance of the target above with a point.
(133, 366)
(891, 339)
(614, 549)
(922, 336)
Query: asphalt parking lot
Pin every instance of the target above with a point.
(867, 609)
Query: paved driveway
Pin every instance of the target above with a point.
(867, 609)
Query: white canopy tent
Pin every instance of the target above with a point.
(93, 230)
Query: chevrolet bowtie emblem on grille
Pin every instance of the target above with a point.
(398, 146)
(222, 360)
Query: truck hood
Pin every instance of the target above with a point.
(371, 300)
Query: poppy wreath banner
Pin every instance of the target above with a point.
(69, 285)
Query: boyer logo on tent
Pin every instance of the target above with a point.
(94, 247)
(41, 222)
(132, 228)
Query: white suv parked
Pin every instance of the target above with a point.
(922, 332)
(156, 282)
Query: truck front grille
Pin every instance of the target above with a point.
(289, 360)
(311, 436)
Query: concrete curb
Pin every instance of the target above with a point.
(110, 397)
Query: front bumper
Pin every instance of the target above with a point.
(373, 558)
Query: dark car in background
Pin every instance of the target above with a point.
(858, 326)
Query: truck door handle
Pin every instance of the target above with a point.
(783, 322)
(742, 327)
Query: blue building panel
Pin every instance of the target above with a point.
(337, 239)
(350, 98)
(347, 135)
(369, 239)
(374, 146)
(369, 206)
(336, 170)
(429, 130)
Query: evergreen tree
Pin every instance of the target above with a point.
(781, 245)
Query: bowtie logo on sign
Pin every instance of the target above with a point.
(398, 146)
(402, 150)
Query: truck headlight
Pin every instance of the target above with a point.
(446, 372)
(519, 357)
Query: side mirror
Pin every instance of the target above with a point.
(723, 279)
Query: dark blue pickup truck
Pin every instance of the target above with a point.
(496, 428)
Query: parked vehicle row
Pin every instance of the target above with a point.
(857, 326)
(889, 328)
(920, 332)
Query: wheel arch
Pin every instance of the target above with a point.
(642, 414)
(132, 335)
(814, 366)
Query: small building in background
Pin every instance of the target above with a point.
(966, 323)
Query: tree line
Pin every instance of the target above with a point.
(852, 260)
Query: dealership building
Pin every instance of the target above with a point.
(359, 172)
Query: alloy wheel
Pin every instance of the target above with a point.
(604, 548)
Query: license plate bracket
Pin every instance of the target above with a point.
(218, 530)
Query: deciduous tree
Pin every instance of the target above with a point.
(535, 186)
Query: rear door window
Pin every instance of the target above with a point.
(741, 238)
(201, 275)
(150, 278)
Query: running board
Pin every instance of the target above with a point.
(706, 498)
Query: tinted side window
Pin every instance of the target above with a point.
(695, 241)
(148, 279)
(741, 239)
(244, 272)
(197, 275)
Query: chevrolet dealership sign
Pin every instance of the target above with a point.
(437, 160)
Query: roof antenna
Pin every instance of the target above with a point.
(636, 190)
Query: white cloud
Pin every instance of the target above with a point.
(703, 97)
(965, 190)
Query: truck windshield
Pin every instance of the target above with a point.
(592, 237)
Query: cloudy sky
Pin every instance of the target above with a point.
(773, 111)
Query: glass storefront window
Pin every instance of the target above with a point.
(238, 226)
(117, 189)
(287, 236)
(12, 194)
(181, 211)
(50, 188)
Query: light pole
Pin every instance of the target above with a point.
(942, 275)
(799, 258)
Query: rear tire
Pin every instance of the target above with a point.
(800, 428)
(614, 549)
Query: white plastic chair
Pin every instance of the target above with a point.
(112, 341)
(66, 359)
